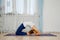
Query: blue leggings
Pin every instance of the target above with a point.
(19, 30)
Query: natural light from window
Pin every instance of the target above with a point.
(8, 6)
(22, 6)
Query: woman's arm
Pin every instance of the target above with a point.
(36, 31)
(30, 32)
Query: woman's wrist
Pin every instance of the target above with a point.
(28, 33)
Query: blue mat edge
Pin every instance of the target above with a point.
(31, 35)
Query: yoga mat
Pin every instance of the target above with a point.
(30, 35)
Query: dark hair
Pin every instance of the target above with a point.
(31, 31)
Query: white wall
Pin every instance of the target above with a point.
(12, 22)
(51, 16)
(9, 23)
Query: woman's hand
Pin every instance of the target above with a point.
(28, 33)
(36, 31)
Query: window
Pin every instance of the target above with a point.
(30, 7)
(8, 6)
(26, 6)
(20, 6)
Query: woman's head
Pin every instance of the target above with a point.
(31, 32)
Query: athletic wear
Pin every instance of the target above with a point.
(19, 30)
(24, 28)
(28, 26)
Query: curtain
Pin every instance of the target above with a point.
(26, 6)
(0, 2)
(22, 6)
(8, 6)
(0, 5)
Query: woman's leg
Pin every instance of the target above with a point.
(19, 30)
(22, 33)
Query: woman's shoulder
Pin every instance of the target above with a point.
(28, 22)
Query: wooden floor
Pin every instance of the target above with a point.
(2, 37)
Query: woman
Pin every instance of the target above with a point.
(27, 28)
